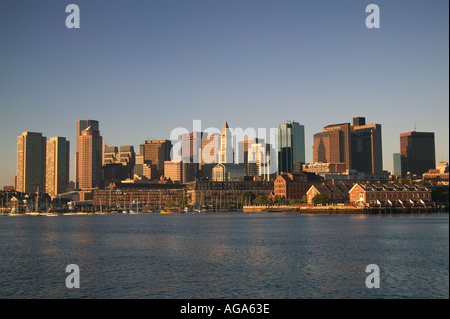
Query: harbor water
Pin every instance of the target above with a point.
(225, 255)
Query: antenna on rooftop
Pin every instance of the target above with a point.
(414, 125)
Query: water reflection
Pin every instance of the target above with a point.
(225, 256)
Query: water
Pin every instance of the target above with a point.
(226, 255)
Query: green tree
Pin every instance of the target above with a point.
(320, 199)
(261, 200)
(440, 194)
(304, 199)
(246, 198)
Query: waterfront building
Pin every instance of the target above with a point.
(31, 162)
(417, 152)
(334, 193)
(149, 196)
(57, 166)
(89, 156)
(294, 186)
(226, 146)
(291, 146)
(227, 172)
(224, 194)
(390, 195)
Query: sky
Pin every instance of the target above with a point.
(142, 68)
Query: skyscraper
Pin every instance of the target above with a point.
(397, 164)
(358, 146)
(89, 155)
(291, 146)
(31, 153)
(57, 176)
(157, 152)
(333, 145)
(366, 148)
(226, 147)
(418, 152)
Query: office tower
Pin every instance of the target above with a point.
(417, 151)
(333, 145)
(57, 177)
(174, 170)
(291, 146)
(191, 147)
(226, 155)
(366, 148)
(242, 152)
(89, 156)
(31, 156)
(157, 152)
(110, 155)
(82, 125)
(397, 164)
(259, 160)
(118, 165)
(358, 146)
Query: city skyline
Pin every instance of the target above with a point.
(143, 69)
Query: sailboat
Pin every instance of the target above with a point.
(36, 212)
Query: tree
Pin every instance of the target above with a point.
(246, 198)
(440, 194)
(320, 199)
(261, 200)
(304, 199)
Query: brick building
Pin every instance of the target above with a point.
(400, 195)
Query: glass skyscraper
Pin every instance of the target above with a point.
(291, 146)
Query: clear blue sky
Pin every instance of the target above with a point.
(143, 68)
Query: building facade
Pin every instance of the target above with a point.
(397, 158)
(157, 152)
(366, 148)
(146, 196)
(57, 166)
(417, 152)
(390, 195)
(227, 172)
(31, 162)
(224, 194)
(294, 186)
(359, 146)
(334, 193)
(226, 146)
(291, 146)
(89, 157)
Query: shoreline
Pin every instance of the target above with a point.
(344, 210)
